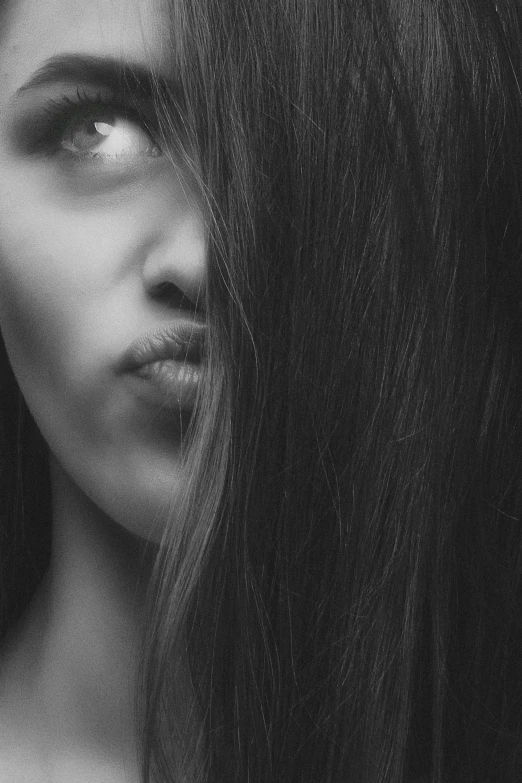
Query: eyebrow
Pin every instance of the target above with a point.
(109, 72)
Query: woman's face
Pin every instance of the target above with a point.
(101, 243)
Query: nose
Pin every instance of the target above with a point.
(174, 270)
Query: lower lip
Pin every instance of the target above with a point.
(167, 382)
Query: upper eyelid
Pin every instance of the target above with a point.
(36, 126)
(137, 107)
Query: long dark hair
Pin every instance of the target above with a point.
(339, 597)
(25, 501)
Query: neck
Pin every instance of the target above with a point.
(75, 655)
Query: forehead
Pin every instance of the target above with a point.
(31, 31)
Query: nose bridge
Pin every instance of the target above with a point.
(177, 253)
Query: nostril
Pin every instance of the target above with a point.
(170, 295)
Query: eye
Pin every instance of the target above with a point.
(101, 133)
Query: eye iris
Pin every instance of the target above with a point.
(82, 134)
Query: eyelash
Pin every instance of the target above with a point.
(58, 113)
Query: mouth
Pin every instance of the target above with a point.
(164, 366)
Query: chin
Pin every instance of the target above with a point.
(139, 504)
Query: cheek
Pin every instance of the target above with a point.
(57, 292)
(30, 311)
(42, 282)
(59, 268)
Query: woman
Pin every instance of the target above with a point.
(295, 547)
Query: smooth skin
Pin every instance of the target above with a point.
(91, 254)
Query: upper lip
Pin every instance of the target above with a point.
(178, 340)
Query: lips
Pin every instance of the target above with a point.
(163, 367)
(180, 341)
